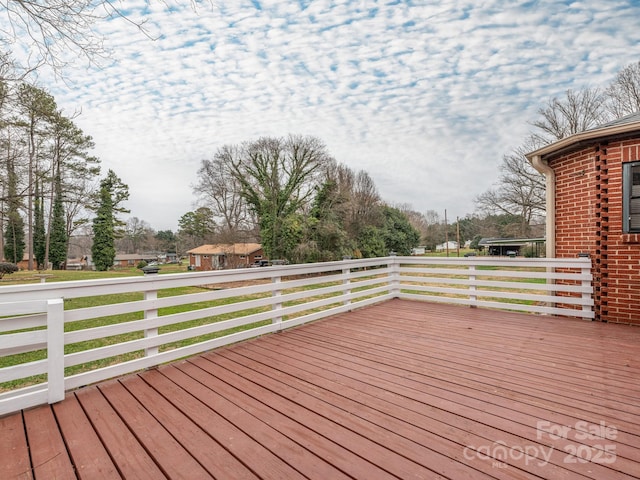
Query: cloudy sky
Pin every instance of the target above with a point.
(426, 96)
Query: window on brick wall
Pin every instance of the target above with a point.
(631, 197)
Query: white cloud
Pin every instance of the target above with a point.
(426, 98)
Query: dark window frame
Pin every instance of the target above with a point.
(629, 170)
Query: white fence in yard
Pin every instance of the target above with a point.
(59, 336)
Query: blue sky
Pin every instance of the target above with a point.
(426, 96)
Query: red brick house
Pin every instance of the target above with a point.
(593, 207)
(225, 255)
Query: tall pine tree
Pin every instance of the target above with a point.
(14, 237)
(58, 240)
(39, 233)
(105, 225)
(14, 228)
(103, 248)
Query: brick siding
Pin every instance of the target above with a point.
(589, 220)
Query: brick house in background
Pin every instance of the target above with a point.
(224, 255)
(593, 207)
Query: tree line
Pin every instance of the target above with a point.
(46, 173)
(49, 186)
(297, 200)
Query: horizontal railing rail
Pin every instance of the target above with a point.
(545, 286)
(59, 336)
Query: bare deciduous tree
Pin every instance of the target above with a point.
(520, 191)
(136, 235)
(218, 189)
(576, 113)
(365, 203)
(278, 176)
(50, 31)
(624, 92)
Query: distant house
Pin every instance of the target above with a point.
(81, 263)
(225, 255)
(593, 209)
(24, 263)
(418, 250)
(133, 259)
(169, 257)
(451, 245)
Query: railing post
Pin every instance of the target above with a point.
(394, 277)
(473, 298)
(347, 273)
(586, 297)
(550, 270)
(151, 271)
(55, 350)
(149, 314)
(277, 293)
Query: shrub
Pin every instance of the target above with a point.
(141, 264)
(7, 268)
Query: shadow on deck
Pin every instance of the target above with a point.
(402, 389)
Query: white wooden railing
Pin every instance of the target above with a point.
(53, 346)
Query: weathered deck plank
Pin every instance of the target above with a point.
(87, 452)
(399, 390)
(14, 450)
(49, 456)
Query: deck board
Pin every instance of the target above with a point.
(49, 456)
(344, 460)
(403, 389)
(14, 449)
(88, 454)
(131, 459)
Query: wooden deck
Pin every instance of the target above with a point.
(404, 389)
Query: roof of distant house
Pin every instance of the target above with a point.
(509, 241)
(226, 249)
(135, 256)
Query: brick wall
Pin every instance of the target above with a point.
(589, 220)
(575, 203)
(623, 251)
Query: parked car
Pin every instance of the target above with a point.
(261, 263)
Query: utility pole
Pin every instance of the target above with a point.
(458, 234)
(446, 232)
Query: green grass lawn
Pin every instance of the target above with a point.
(26, 277)
(85, 302)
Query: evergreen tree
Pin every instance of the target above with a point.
(371, 243)
(58, 240)
(118, 192)
(39, 233)
(112, 193)
(103, 248)
(14, 237)
(14, 230)
(326, 238)
(399, 235)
